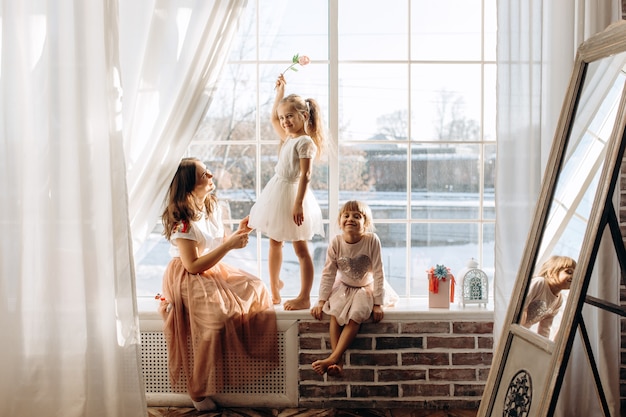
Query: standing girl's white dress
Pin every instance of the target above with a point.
(272, 212)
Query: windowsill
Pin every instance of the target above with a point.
(405, 309)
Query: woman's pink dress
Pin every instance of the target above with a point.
(219, 326)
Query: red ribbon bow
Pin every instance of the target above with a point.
(433, 283)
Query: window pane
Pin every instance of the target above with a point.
(244, 42)
(362, 39)
(446, 30)
(446, 102)
(491, 30)
(291, 27)
(150, 262)
(393, 239)
(489, 94)
(450, 244)
(445, 169)
(489, 164)
(373, 101)
(232, 113)
(269, 158)
(488, 262)
(376, 174)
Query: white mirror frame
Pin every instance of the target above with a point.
(527, 370)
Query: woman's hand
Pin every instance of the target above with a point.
(243, 224)
(238, 240)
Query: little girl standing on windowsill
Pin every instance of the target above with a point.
(287, 210)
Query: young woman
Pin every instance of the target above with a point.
(222, 315)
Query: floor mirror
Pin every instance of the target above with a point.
(574, 209)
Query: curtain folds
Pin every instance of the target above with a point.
(537, 43)
(172, 54)
(70, 343)
(99, 101)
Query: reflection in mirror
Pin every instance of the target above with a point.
(546, 295)
(575, 188)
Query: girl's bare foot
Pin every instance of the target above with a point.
(298, 304)
(276, 292)
(335, 370)
(329, 366)
(321, 366)
(276, 299)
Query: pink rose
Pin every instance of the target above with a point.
(297, 59)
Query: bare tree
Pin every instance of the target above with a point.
(452, 123)
(394, 125)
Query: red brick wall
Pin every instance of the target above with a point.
(441, 363)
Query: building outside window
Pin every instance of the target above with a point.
(408, 93)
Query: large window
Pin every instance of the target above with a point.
(408, 92)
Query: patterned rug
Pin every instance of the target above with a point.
(301, 412)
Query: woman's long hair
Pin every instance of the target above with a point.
(180, 206)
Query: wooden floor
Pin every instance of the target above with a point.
(297, 412)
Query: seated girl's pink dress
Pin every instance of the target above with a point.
(224, 317)
(353, 279)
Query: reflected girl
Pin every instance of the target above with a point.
(544, 298)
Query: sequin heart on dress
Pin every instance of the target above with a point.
(536, 311)
(355, 268)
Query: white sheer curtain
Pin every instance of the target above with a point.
(70, 337)
(172, 52)
(70, 342)
(537, 43)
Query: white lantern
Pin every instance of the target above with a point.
(474, 284)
